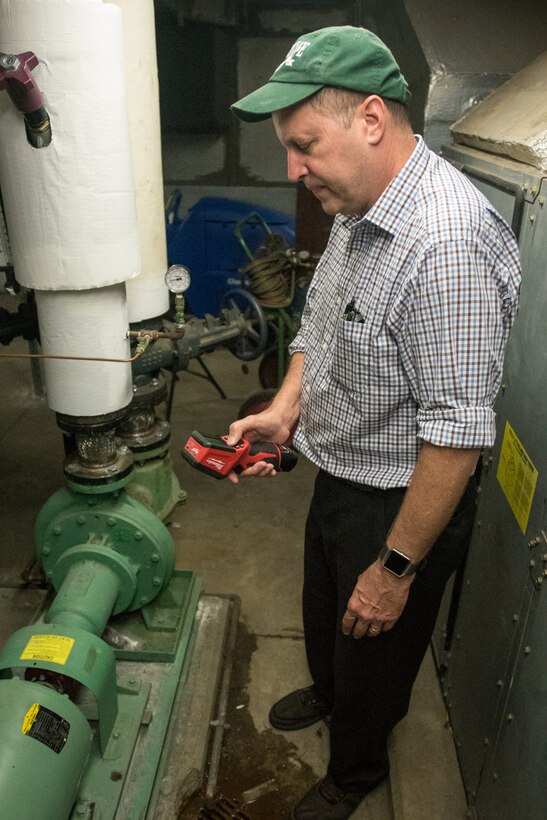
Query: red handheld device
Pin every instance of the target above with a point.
(213, 456)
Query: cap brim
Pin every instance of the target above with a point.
(260, 104)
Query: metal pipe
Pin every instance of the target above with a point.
(220, 720)
(158, 334)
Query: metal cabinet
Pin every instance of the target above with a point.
(496, 672)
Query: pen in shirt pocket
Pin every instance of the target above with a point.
(351, 314)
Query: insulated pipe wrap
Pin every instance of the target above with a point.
(147, 295)
(70, 207)
(91, 323)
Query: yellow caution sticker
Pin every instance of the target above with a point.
(52, 648)
(517, 476)
(30, 717)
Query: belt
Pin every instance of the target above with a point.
(364, 488)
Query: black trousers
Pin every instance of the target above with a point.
(367, 682)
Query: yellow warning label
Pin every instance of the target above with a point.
(52, 648)
(517, 476)
(29, 718)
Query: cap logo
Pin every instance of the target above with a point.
(296, 50)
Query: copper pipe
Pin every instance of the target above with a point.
(145, 340)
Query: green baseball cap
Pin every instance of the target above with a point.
(339, 56)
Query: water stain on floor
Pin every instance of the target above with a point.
(260, 776)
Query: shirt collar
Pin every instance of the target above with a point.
(386, 211)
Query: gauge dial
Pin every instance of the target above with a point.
(177, 278)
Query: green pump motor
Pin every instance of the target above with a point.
(45, 745)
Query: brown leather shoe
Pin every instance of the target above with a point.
(299, 709)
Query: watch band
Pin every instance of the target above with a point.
(397, 562)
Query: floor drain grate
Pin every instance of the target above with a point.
(223, 809)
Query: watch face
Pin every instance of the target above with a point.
(395, 562)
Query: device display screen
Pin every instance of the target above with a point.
(211, 440)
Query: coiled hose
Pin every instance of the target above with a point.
(273, 272)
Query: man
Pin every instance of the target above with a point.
(392, 379)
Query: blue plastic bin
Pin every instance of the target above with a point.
(205, 242)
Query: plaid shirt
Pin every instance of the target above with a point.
(405, 327)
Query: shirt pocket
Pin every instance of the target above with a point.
(354, 362)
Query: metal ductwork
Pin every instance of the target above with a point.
(454, 54)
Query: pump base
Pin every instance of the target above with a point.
(169, 757)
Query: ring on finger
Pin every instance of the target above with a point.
(374, 629)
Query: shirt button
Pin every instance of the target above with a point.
(325, 346)
(339, 301)
(308, 388)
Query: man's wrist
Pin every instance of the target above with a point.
(397, 562)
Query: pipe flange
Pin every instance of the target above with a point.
(102, 475)
(92, 424)
(142, 442)
(149, 391)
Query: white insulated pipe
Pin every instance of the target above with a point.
(92, 324)
(71, 207)
(147, 295)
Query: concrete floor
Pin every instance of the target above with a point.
(244, 541)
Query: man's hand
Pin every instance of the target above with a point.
(266, 426)
(273, 424)
(376, 603)
(438, 482)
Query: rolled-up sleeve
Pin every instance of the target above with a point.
(453, 347)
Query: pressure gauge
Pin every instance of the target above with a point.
(177, 278)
